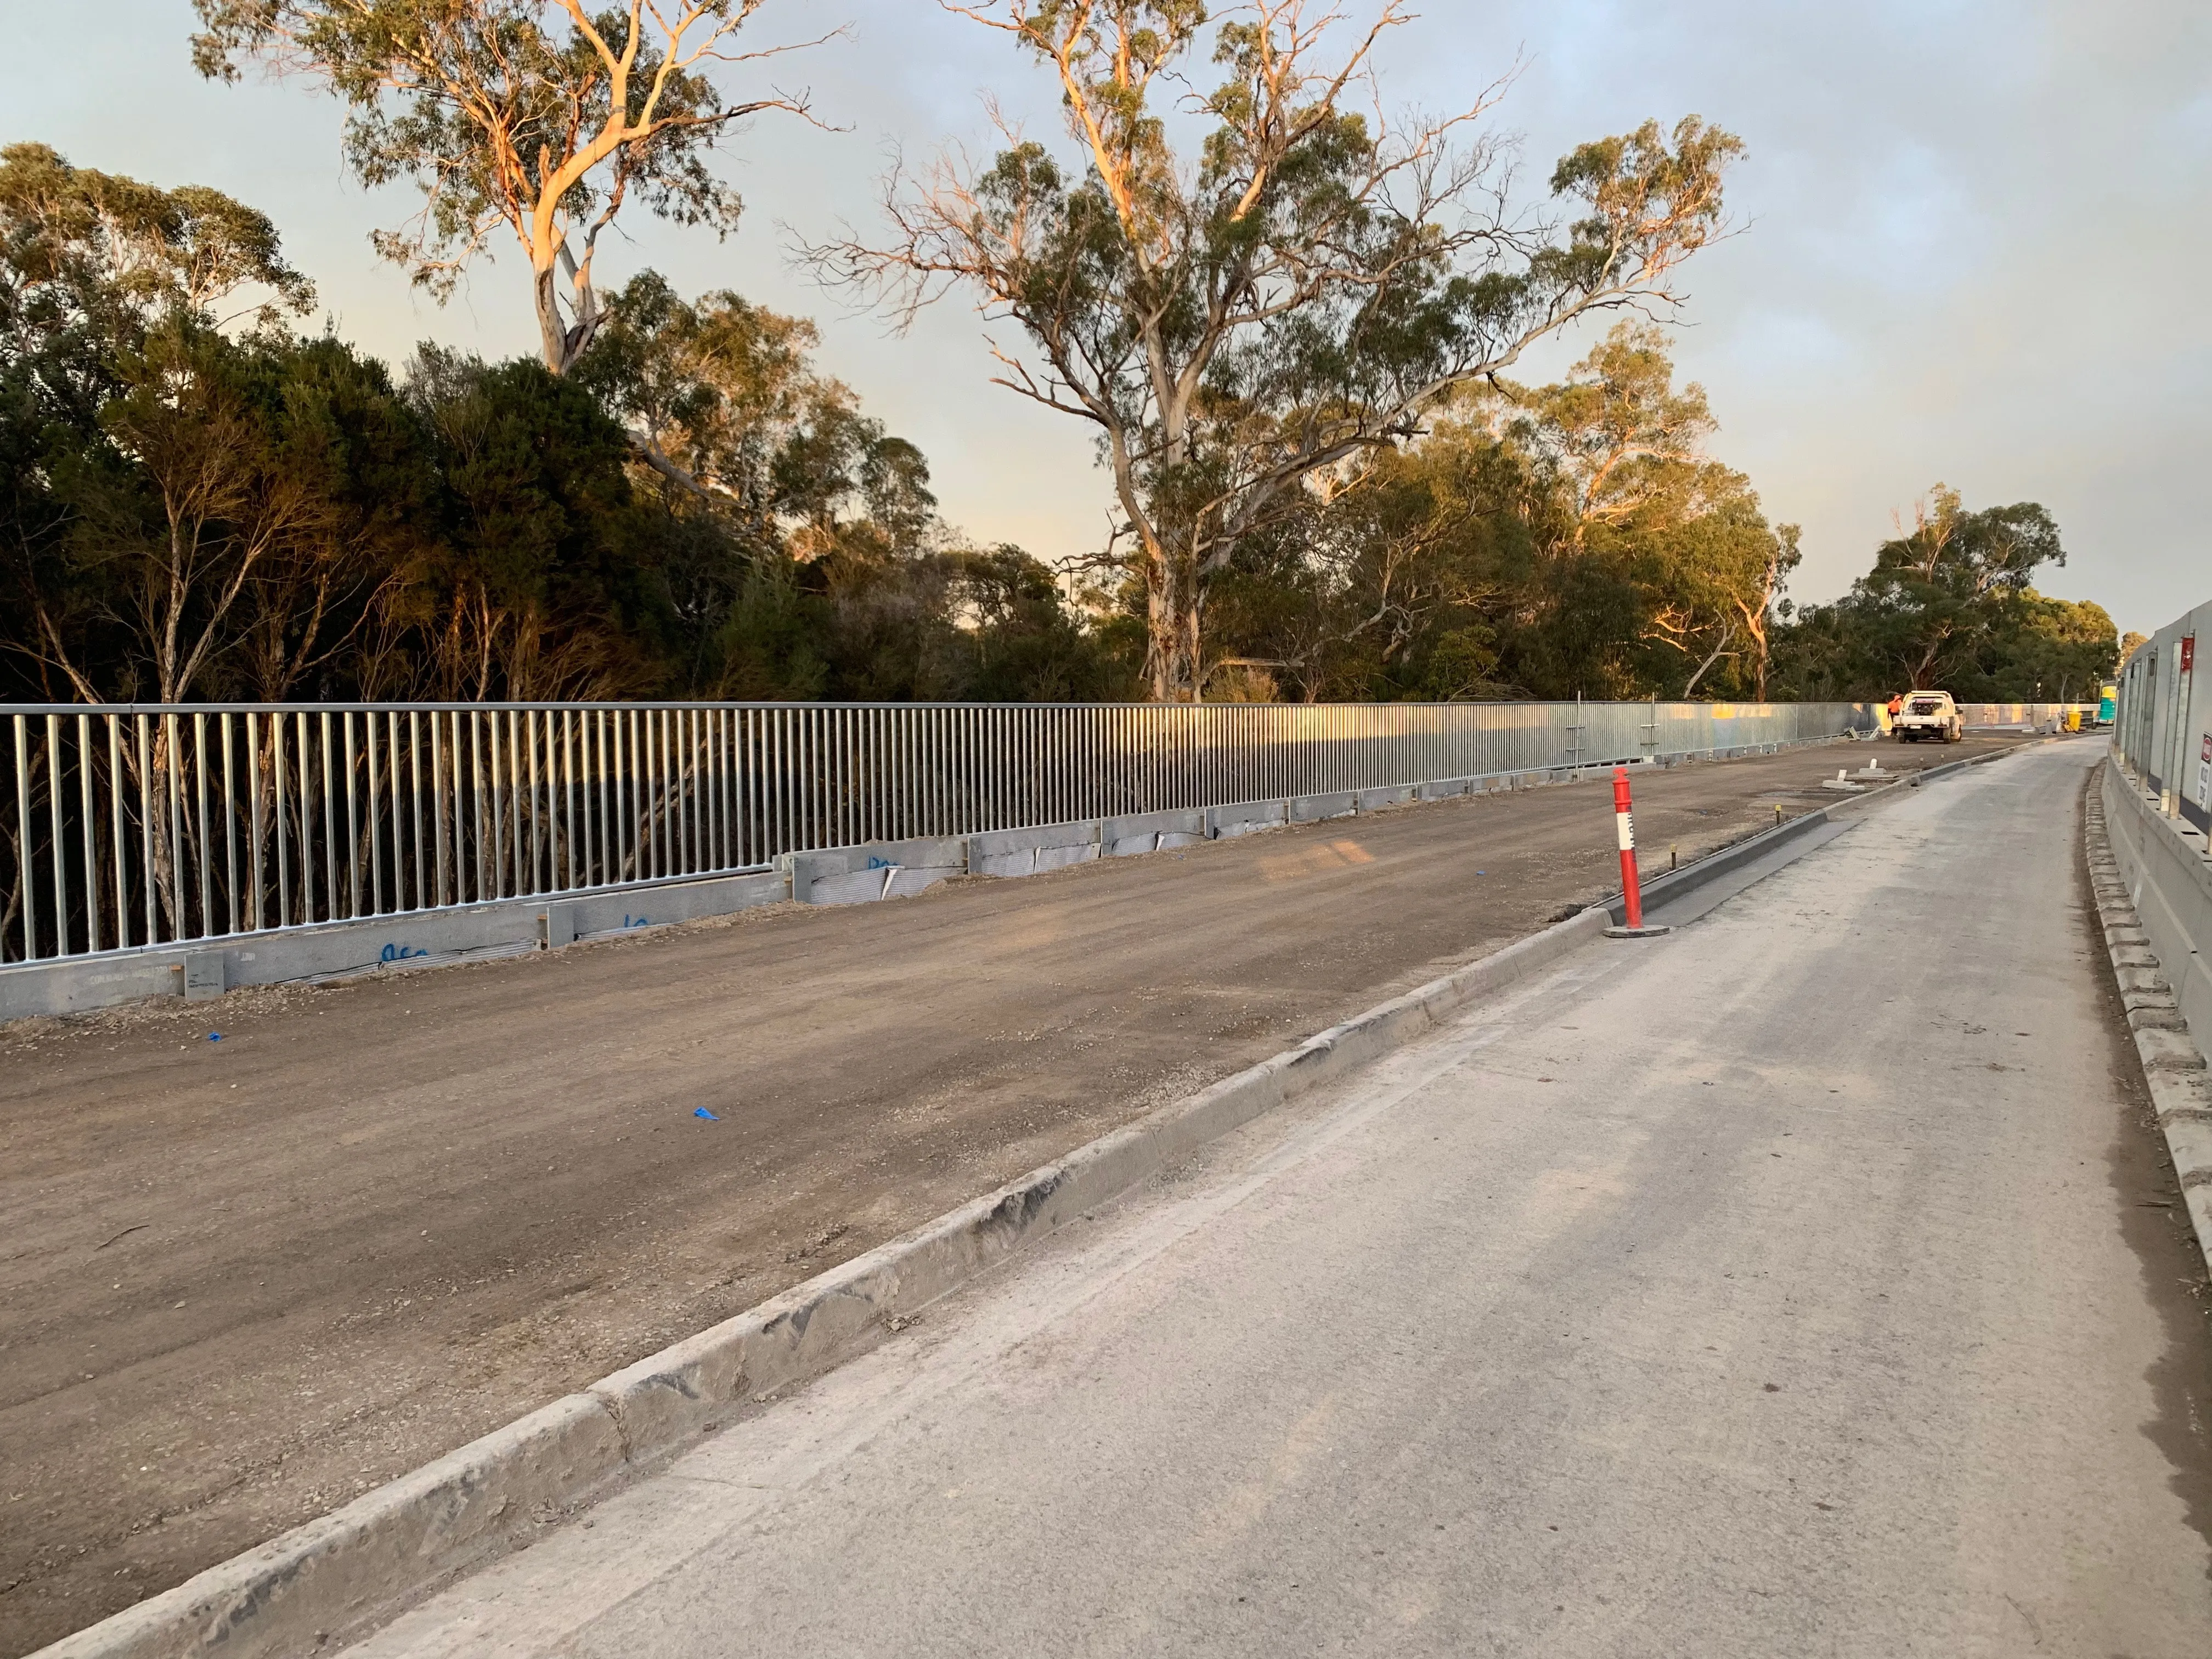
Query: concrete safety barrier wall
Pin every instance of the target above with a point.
(2157, 799)
(2164, 865)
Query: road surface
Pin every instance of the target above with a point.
(1805, 1282)
(242, 1281)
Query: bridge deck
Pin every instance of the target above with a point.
(245, 1279)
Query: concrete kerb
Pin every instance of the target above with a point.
(2173, 1070)
(335, 1576)
(1699, 873)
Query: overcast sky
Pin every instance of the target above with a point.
(1971, 232)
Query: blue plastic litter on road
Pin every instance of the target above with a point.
(702, 1112)
(214, 1037)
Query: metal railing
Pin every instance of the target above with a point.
(151, 825)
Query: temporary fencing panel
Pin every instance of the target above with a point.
(2163, 724)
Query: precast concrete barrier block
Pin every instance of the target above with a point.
(850, 886)
(906, 881)
(598, 915)
(1396, 794)
(1445, 788)
(1314, 808)
(1062, 858)
(2160, 996)
(1137, 833)
(1225, 823)
(1015, 862)
(806, 869)
(2164, 1017)
(2142, 979)
(990, 843)
(1028, 851)
(2166, 1049)
(1147, 832)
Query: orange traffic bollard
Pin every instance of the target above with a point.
(1624, 823)
(1632, 889)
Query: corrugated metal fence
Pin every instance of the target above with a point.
(134, 826)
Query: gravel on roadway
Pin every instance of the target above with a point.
(244, 1280)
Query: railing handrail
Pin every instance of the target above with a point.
(402, 705)
(128, 825)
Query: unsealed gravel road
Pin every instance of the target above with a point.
(242, 1281)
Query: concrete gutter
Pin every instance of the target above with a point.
(2173, 1069)
(341, 1574)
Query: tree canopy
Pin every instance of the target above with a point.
(1290, 321)
(197, 503)
(539, 116)
(1298, 286)
(1950, 606)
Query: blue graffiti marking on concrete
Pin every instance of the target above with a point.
(875, 863)
(399, 953)
(630, 920)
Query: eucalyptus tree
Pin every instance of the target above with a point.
(75, 241)
(541, 118)
(1239, 287)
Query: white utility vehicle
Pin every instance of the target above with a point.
(1929, 714)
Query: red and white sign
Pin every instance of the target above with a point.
(2187, 652)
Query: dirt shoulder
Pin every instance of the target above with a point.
(244, 1280)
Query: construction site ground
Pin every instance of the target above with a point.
(243, 1280)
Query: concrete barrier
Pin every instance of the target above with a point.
(809, 871)
(2168, 878)
(1316, 809)
(1374, 800)
(1149, 832)
(1032, 851)
(423, 939)
(2153, 894)
(1225, 822)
